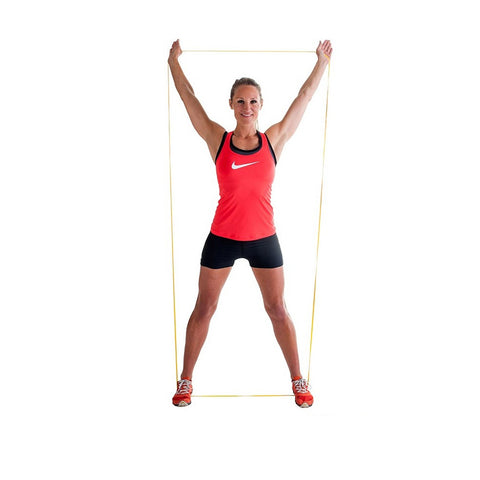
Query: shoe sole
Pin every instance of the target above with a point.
(304, 405)
(182, 404)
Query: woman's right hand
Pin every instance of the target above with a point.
(175, 51)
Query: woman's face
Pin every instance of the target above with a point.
(246, 104)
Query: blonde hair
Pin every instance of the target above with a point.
(245, 81)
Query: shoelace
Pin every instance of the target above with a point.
(300, 386)
(184, 386)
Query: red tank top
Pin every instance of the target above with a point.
(245, 178)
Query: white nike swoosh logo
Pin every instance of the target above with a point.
(243, 165)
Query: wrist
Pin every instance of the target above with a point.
(172, 61)
(323, 58)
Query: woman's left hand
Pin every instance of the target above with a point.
(324, 49)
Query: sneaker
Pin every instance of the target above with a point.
(182, 397)
(303, 398)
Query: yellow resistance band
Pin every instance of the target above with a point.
(248, 51)
(319, 214)
(239, 396)
(171, 223)
(319, 222)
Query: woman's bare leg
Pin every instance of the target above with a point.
(271, 282)
(210, 285)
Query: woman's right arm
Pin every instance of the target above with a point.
(209, 130)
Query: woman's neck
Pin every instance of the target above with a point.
(245, 132)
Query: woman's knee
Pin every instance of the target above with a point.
(205, 307)
(277, 311)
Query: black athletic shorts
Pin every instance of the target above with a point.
(220, 252)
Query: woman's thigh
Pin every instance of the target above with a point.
(271, 282)
(211, 282)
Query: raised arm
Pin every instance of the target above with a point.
(210, 131)
(279, 133)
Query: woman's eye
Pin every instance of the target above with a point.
(253, 101)
(240, 101)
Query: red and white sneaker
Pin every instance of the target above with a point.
(303, 398)
(183, 395)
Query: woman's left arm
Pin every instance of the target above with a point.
(279, 133)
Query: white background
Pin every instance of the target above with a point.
(87, 365)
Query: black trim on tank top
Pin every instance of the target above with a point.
(221, 145)
(271, 149)
(246, 152)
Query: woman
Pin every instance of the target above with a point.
(243, 225)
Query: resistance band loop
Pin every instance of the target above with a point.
(319, 213)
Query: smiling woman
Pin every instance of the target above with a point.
(243, 226)
(246, 99)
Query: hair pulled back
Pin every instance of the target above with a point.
(245, 81)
